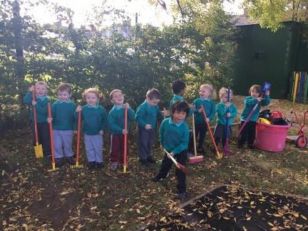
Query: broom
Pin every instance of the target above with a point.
(226, 144)
(38, 149)
(177, 164)
(218, 154)
(194, 159)
(77, 164)
(125, 142)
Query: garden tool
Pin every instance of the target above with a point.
(125, 159)
(177, 164)
(194, 159)
(218, 154)
(38, 149)
(52, 147)
(77, 164)
(226, 144)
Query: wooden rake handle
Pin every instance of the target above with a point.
(177, 164)
(219, 155)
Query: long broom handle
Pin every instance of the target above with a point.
(35, 118)
(194, 133)
(78, 138)
(125, 140)
(51, 138)
(210, 130)
(227, 121)
(177, 164)
(248, 117)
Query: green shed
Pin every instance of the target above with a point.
(263, 55)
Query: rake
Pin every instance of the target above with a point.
(218, 154)
(177, 164)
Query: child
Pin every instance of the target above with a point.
(205, 93)
(94, 119)
(249, 131)
(147, 115)
(174, 137)
(63, 119)
(116, 127)
(178, 88)
(226, 113)
(40, 103)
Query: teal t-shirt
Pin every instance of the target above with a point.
(41, 107)
(63, 115)
(147, 114)
(116, 118)
(93, 119)
(209, 107)
(175, 99)
(249, 103)
(222, 109)
(174, 137)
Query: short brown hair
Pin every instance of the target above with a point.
(153, 94)
(255, 87)
(65, 87)
(92, 90)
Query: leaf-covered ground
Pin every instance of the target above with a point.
(32, 198)
(234, 208)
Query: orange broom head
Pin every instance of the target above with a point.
(195, 159)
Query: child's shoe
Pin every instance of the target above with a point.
(114, 166)
(91, 165)
(99, 165)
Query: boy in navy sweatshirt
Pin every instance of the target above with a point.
(147, 115)
(174, 138)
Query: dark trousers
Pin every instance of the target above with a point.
(222, 133)
(145, 142)
(248, 134)
(117, 148)
(200, 134)
(43, 137)
(166, 166)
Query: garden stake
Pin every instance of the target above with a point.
(218, 154)
(53, 162)
(226, 144)
(177, 164)
(77, 164)
(38, 149)
(194, 159)
(125, 141)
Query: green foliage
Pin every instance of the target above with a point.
(133, 58)
(270, 14)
